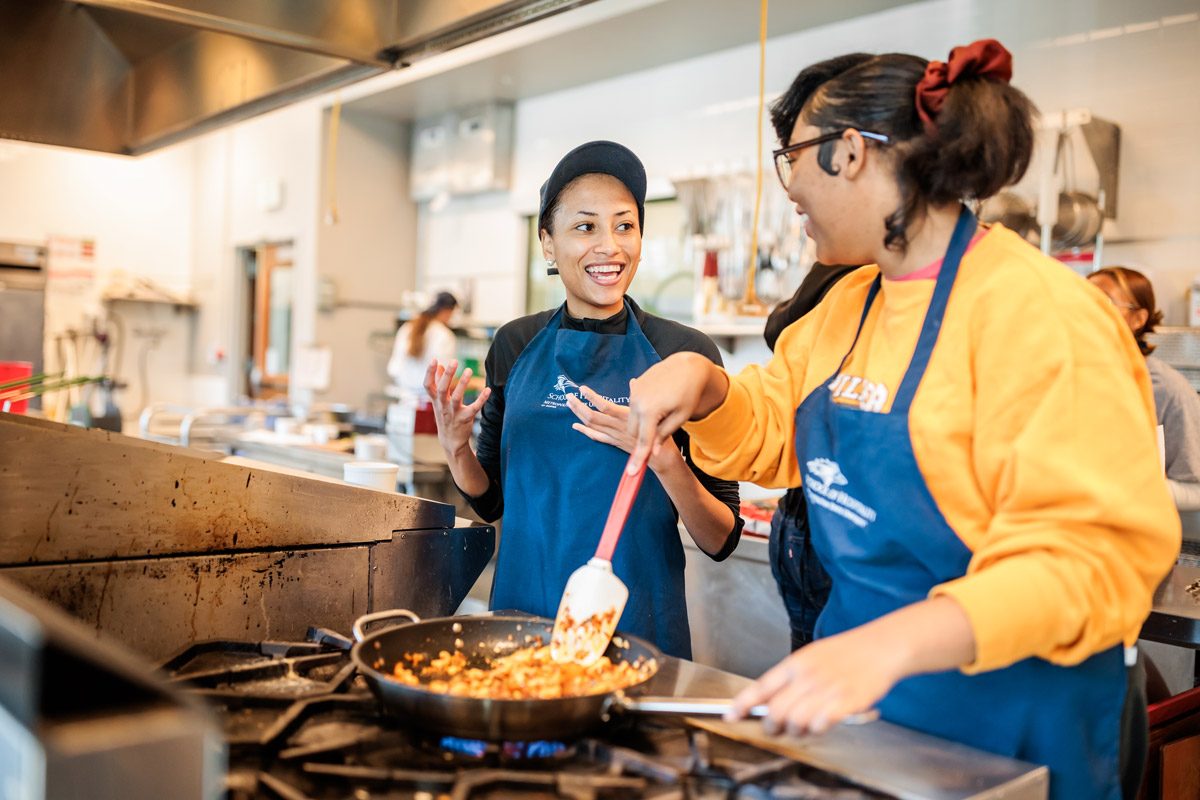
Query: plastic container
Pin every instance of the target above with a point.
(11, 371)
(379, 475)
(322, 432)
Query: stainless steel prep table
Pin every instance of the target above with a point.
(326, 462)
(878, 755)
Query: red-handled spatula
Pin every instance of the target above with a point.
(594, 597)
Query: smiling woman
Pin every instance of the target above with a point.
(597, 245)
(993, 540)
(553, 440)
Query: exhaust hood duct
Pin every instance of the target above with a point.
(131, 76)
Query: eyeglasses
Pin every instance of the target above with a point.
(1126, 306)
(783, 156)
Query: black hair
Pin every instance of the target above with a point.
(786, 109)
(983, 140)
(546, 218)
(444, 301)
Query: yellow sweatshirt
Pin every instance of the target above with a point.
(1033, 427)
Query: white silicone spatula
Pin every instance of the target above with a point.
(594, 597)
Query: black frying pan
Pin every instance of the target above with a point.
(478, 637)
(481, 637)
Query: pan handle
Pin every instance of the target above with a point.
(704, 707)
(362, 622)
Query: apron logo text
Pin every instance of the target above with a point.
(869, 395)
(564, 387)
(824, 475)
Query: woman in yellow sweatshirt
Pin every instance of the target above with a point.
(994, 539)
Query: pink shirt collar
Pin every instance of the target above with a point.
(930, 271)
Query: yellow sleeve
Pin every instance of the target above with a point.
(751, 435)
(1083, 527)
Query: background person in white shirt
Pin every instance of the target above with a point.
(420, 340)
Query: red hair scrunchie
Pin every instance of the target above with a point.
(986, 58)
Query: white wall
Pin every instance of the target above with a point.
(138, 212)
(175, 217)
(1133, 63)
(230, 166)
(132, 207)
(369, 254)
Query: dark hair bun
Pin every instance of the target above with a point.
(983, 140)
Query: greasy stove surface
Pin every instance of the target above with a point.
(301, 724)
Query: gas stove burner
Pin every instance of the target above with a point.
(266, 670)
(301, 725)
(505, 751)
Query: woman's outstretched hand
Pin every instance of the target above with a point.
(454, 418)
(821, 684)
(602, 420)
(681, 387)
(831, 679)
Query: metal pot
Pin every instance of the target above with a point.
(1079, 220)
(1012, 211)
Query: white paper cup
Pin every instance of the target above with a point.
(322, 432)
(372, 474)
(370, 447)
(286, 426)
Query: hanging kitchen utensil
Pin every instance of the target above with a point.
(594, 597)
(1079, 220)
(1012, 211)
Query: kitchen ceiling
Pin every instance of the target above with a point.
(653, 34)
(130, 76)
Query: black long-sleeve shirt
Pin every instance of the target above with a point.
(665, 336)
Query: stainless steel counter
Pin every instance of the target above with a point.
(877, 755)
(1175, 617)
(326, 462)
(737, 618)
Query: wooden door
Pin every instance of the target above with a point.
(271, 337)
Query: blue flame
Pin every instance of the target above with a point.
(543, 749)
(475, 748)
(467, 747)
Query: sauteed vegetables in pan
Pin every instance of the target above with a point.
(528, 673)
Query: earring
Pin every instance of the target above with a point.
(550, 268)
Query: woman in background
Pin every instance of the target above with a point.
(1176, 403)
(425, 338)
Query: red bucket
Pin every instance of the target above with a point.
(11, 371)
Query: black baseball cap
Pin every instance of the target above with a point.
(606, 158)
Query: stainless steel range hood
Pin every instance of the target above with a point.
(130, 76)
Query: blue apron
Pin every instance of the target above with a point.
(879, 531)
(558, 487)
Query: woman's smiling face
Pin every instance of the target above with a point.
(596, 243)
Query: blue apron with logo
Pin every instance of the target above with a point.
(886, 544)
(558, 487)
